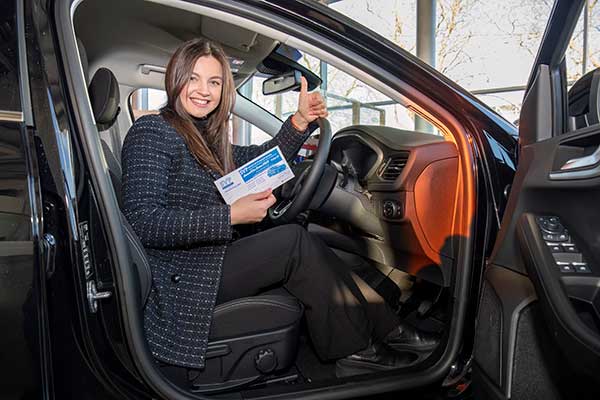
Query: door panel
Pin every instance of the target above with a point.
(538, 334)
(567, 297)
(553, 229)
(23, 337)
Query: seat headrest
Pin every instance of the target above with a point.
(104, 95)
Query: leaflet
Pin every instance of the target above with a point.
(267, 171)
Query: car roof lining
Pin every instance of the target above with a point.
(148, 33)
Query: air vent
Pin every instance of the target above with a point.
(394, 166)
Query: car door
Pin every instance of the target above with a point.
(538, 327)
(24, 348)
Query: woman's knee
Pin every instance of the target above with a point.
(298, 237)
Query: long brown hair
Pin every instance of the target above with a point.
(211, 147)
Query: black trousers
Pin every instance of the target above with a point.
(342, 311)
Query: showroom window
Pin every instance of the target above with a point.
(486, 46)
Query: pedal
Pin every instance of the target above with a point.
(424, 308)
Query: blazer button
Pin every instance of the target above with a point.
(175, 278)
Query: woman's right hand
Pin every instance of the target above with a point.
(251, 208)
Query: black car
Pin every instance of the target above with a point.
(482, 234)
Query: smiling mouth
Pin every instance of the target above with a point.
(199, 102)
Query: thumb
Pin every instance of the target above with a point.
(303, 86)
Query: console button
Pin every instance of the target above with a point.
(550, 236)
(556, 237)
(565, 267)
(555, 247)
(581, 267)
(570, 248)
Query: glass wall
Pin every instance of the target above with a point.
(486, 46)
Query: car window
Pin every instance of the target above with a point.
(146, 101)
(349, 101)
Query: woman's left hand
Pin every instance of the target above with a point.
(310, 107)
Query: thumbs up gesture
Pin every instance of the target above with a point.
(310, 107)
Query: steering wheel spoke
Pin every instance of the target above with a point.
(281, 207)
(297, 198)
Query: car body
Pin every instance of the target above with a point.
(70, 298)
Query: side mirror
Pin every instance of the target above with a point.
(282, 83)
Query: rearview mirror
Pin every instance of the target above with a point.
(282, 83)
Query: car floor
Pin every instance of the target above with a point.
(309, 370)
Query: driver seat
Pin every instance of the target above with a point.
(251, 337)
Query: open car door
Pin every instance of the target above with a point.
(538, 327)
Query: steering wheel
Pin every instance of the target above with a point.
(293, 201)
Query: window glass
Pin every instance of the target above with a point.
(146, 101)
(349, 101)
(507, 104)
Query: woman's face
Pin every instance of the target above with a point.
(202, 94)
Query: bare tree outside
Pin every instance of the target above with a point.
(480, 44)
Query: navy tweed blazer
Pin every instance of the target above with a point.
(171, 202)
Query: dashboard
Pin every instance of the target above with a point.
(397, 190)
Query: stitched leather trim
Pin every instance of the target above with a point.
(222, 308)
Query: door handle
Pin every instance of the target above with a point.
(579, 168)
(582, 162)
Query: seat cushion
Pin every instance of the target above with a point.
(253, 315)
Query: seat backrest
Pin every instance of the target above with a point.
(584, 96)
(104, 96)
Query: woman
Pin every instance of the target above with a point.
(169, 164)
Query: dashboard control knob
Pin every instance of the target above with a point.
(266, 361)
(391, 209)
